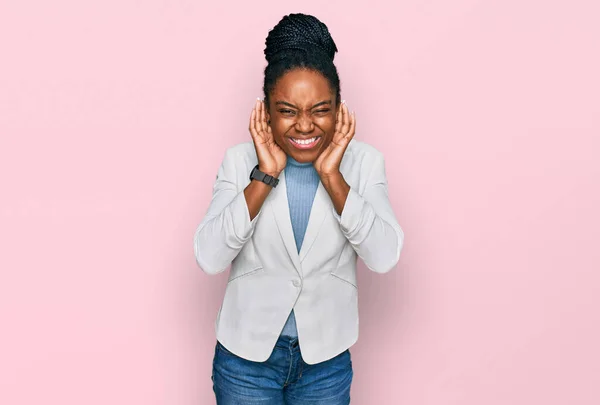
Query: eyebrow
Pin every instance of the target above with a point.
(293, 106)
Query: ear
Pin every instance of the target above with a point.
(268, 116)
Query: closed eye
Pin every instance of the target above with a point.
(287, 112)
(323, 111)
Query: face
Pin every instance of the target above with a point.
(302, 110)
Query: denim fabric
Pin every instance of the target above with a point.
(283, 379)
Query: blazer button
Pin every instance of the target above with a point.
(296, 283)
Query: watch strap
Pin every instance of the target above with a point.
(256, 174)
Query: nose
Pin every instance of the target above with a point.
(304, 123)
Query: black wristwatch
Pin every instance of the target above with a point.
(265, 178)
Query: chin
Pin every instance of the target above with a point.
(304, 157)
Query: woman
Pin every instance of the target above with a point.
(291, 211)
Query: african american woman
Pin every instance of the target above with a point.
(291, 212)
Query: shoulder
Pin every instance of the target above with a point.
(362, 164)
(241, 150)
(241, 155)
(362, 154)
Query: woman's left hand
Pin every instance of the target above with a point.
(328, 162)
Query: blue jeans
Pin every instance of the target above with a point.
(284, 378)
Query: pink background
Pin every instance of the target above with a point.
(114, 117)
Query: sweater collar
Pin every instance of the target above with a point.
(293, 162)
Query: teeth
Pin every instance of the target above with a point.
(304, 142)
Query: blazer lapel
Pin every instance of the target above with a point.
(321, 205)
(281, 211)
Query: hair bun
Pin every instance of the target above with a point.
(300, 32)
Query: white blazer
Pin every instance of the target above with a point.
(268, 276)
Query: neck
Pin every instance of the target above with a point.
(294, 162)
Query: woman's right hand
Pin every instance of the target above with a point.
(271, 158)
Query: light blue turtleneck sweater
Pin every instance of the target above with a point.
(301, 180)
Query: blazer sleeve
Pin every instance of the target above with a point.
(226, 226)
(369, 223)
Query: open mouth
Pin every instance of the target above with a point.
(305, 143)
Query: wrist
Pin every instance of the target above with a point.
(332, 181)
(270, 172)
(331, 176)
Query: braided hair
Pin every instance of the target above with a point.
(300, 41)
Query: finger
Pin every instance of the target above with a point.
(345, 120)
(263, 119)
(254, 113)
(266, 128)
(352, 129)
(258, 117)
(268, 119)
(338, 119)
(252, 126)
(339, 125)
(341, 129)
